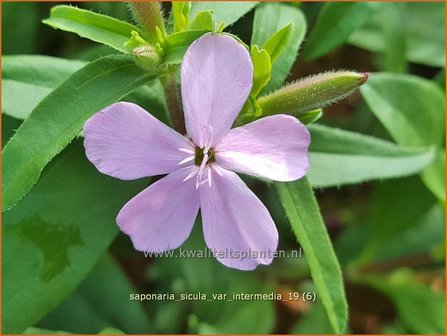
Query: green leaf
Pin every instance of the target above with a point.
(40, 331)
(341, 157)
(412, 109)
(311, 116)
(54, 237)
(434, 175)
(425, 41)
(394, 211)
(421, 309)
(300, 205)
(269, 18)
(394, 34)
(20, 38)
(223, 12)
(96, 27)
(176, 44)
(60, 117)
(203, 20)
(276, 44)
(262, 67)
(39, 75)
(100, 301)
(180, 12)
(314, 321)
(28, 79)
(336, 21)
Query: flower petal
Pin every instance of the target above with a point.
(217, 75)
(161, 217)
(237, 226)
(273, 147)
(126, 142)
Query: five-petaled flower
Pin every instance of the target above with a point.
(126, 142)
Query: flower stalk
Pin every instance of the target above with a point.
(149, 17)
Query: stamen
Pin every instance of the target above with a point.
(209, 177)
(207, 139)
(190, 176)
(217, 169)
(188, 159)
(187, 151)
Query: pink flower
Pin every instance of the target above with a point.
(126, 142)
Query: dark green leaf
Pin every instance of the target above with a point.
(300, 205)
(425, 36)
(421, 309)
(336, 21)
(59, 118)
(53, 238)
(269, 18)
(100, 301)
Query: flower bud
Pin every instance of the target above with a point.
(149, 16)
(147, 57)
(312, 92)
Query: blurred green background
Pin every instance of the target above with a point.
(388, 235)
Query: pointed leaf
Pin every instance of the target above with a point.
(269, 18)
(59, 118)
(96, 27)
(300, 205)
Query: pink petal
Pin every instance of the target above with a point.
(161, 217)
(273, 147)
(126, 142)
(217, 75)
(235, 220)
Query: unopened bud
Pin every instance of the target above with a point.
(147, 57)
(312, 92)
(149, 16)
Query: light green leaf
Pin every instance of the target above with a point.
(425, 40)
(176, 44)
(336, 21)
(100, 301)
(269, 18)
(59, 118)
(40, 331)
(311, 116)
(180, 13)
(223, 12)
(276, 44)
(341, 157)
(96, 27)
(203, 20)
(262, 67)
(434, 175)
(412, 109)
(300, 205)
(28, 79)
(53, 238)
(39, 70)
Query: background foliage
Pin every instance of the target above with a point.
(378, 168)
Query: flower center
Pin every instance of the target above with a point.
(199, 155)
